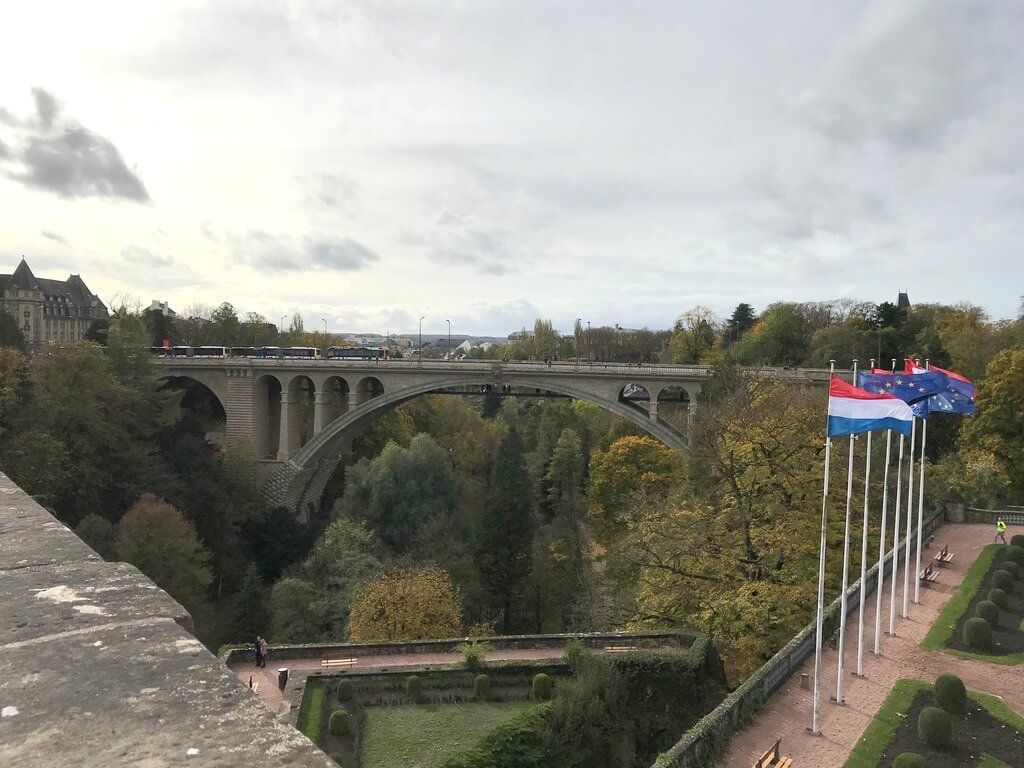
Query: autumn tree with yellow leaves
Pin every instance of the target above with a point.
(406, 604)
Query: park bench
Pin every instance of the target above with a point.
(774, 758)
(928, 575)
(944, 557)
(619, 648)
(337, 663)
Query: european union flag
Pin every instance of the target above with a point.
(911, 388)
(956, 397)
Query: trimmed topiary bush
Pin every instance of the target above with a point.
(951, 694)
(1017, 540)
(575, 650)
(909, 760)
(414, 689)
(988, 611)
(1015, 552)
(998, 596)
(482, 687)
(344, 691)
(1012, 567)
(541, 687)
(339, 724)
(978, 634)
(474, 654)
(935, 727)
(1003, 580)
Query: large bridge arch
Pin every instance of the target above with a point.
(300, 481)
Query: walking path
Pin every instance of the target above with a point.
(788, 713)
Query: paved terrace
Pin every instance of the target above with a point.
(98, 667)
(788, 713)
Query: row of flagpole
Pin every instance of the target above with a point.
(893, 553)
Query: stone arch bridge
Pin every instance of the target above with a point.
(296, 416)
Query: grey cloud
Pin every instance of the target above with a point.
(5, 153)
(60, 156)
(288, 254)
(333, 190)
(137, 256)
(490, 252)
(55, 236)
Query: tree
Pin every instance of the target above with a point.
(158, 540)
(505, 529)
(128, 352)
(998, 423)
(405, 604)
(741, 321)
(693, 338)
(565, 474)
(289, 606)
(780, 337)
(10, 334)
(98, 533)
(225, 327)
(13, 383)
(250, 605)
(629, 465)
(159, 327)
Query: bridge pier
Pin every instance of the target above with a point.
(289, 425)
(652, 410)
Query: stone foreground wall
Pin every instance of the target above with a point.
(98, 668)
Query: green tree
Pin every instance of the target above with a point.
(98, 533)
(566, 472)
(251, 614)
(505, 530)
(10, 333)
(159, 327)
(780, 337)
(693, 337)
(740, 321)
(291, 617)
(998, 423)
(225, 327)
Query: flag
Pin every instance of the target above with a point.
(852, 410)
(956, 397)
(908, 387)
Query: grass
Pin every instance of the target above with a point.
(987, 761)
(867, 753)
(311, 710)
(426, 735)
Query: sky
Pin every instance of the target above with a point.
(487, 163)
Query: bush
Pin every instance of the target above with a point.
(343, 691)
(474, 654)
(1017, 540)
(575, 650)
(988, 611)
(1015, 552)
(1003, 580)
(978, 634)
(998, 596)
(541, 687)
(950, 694)
(482, 687)
(414, 689)
(1012, 567)
(935, 727)
(339, 724)
(909, 760)
(518, 742)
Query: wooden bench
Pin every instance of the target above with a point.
(928, 576)
(944, 557)
(774, 758)
(337, 663)
(619, 648)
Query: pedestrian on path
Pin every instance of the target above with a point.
(1000, 530)
(264, 651)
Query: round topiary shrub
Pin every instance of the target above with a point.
(1012, 567)
(950, 694)
(1015, 552)
(909, 760)
(988, 611)
(978, 634)
(344, 691)
(482, 687)
(1017, 540)
(339, 724)
(998, 596)
(1003, 580)
(414, 689)
(541, 687)
(935, 727)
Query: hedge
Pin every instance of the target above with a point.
(516, 743)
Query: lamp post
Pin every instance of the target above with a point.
(449, 338)
(420, 356)
(325, 331)
(281, 329)
(590, 360)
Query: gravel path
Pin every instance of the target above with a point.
(788, 713)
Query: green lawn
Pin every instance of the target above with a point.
(312, 709)
(987, 761)
(425, 735)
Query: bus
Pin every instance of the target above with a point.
(209, 352)
(310, 353)
(357, 353)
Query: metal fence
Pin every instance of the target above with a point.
(1010, 515)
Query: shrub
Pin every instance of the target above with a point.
(909, 760)
(1015, 552)
(339, 723)
(998, 596)
(978, 634)
(1017, 540)
(1012, 567)
(1003, 580)
(541, 687)
(988, 611)
(414, 689)
(482, 687)
(574, 651)
(950, 694)
(474, 654)
(935, 727)
(343, 691)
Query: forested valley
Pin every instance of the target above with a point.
(480, 515)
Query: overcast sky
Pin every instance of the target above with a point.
(490, 162)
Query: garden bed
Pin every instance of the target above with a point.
(988, 734)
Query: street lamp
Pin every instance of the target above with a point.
(421, 339)
(590, 341)
(281, 328)
(449, 338)
(325, 330)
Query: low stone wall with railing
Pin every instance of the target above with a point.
(701, 746)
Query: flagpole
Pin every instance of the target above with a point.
(863, 550)
(846, 568)
(816, 717)
(920, 504)
(881, 546)
(896, 541)
(910, 519)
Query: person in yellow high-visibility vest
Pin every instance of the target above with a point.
(1000, 530)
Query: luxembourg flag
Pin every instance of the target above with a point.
(852, 411)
